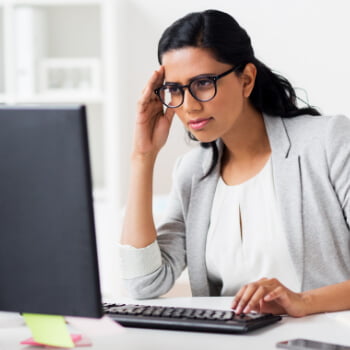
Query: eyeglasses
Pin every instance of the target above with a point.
(202, 88)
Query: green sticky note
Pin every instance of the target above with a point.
(49, 330)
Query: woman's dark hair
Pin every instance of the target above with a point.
(229, 42)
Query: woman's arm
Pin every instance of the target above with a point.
(271, 296)
(335, 297)
(139, 229)
(151, 132)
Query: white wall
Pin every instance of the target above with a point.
(2, 76)
(305, 40)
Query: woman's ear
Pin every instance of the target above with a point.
(248, 77)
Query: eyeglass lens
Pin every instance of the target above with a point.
(202, 89)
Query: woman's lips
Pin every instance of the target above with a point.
(199, 123)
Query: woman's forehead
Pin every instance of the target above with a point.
(183, 64)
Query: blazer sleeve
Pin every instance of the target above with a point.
(338, 157)
(171, 244)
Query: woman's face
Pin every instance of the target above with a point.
(217, 118)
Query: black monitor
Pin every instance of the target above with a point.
(48, 255)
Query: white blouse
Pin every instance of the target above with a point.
(246, 240)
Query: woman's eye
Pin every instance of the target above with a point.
(174, 90)
(203, 83)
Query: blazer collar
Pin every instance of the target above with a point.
(277, 134)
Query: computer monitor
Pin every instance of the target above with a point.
(48, 255)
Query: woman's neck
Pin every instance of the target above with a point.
(248, 140)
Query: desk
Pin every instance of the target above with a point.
(323, 327)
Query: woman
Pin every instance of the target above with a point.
(261, 211)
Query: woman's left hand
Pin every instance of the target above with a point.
(269, 296)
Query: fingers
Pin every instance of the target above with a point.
(238, 297)
(276, 293)
(254, 301)
(154, 81)
(250, 296)
(169, 114)
(148, 97)
(269, 296)
(249, 300)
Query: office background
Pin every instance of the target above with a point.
(101, 52)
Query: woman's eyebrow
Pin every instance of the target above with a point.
(202, 75)
(171, 83)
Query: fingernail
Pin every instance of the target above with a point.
(246, 310)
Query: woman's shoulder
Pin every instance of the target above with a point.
(325, 128)
(194, 161)
(195, 164)
(339, 125)
(314, 124)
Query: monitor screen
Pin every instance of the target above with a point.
(48, 255)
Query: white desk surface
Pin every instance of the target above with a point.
(332, 328)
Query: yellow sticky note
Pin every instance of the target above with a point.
(49, 330)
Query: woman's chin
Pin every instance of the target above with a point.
(204, 138)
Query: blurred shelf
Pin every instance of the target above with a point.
(77, 38)
(61, 98)
(55, 2)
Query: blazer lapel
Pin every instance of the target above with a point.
(199, 220)
(287, 179)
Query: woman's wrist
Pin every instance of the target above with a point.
(329, 298)
(316, 301)
(308, 303)
(144, 157)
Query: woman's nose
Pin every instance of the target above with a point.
(190, 103)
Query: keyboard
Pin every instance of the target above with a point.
(187, 319)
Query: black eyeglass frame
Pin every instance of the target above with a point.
(182, 88)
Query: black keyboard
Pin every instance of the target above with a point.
(187, 319)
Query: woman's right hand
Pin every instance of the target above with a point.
(152, 123)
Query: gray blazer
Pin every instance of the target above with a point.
(311, 169)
